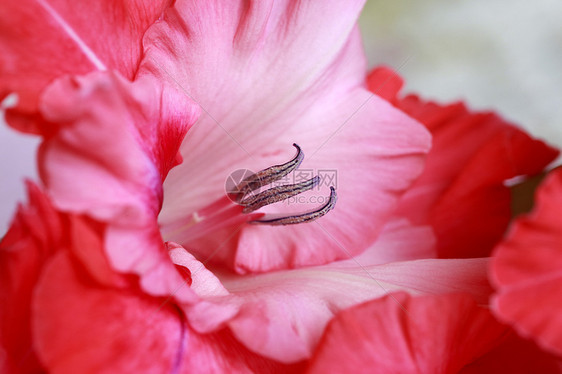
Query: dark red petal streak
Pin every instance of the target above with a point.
(461, 192)
(43, 39)
(404, 334)
(527, 270)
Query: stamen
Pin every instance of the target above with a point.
(269, 175)
(276, 194)
(222, 213)
(304, 217)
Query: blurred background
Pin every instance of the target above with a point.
(493, 54)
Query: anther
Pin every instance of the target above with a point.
(279, 193)
(276, 194)
(269, 175)
(303, 217)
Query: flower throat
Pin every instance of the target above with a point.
(241, 203)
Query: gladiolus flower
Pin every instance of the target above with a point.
(165, 272)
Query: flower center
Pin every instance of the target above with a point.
(242, 201)
(243, 193)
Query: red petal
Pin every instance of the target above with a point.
(386, 83)
(35, 231)
(404, 334)
(461, 192)
(527, 270)
(81, 327)
(44, 39)
(515, 356)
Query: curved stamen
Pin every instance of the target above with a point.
(269, 175)
(276, 194)
(304, 217)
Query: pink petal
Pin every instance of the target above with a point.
(400, 241)
(35, 231)
(462, 191)
(114, 144)
(282, 314)
(221, 353)
(118, 136)
(208, 314)
(141, 251)
(404, 334)
(204, 282)
(44, 39)
(526, 270)
(269, 74)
